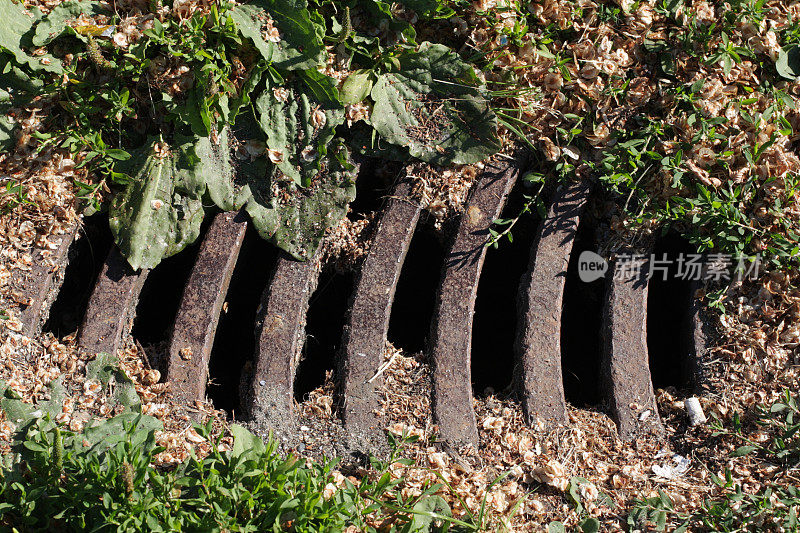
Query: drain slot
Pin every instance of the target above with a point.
(324, 325)
(86, 258)
(412, 309)
(161, 295)
(495, 321)
(581, 323)
(235, 339)
(670, 332)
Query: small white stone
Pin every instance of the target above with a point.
(695, 411)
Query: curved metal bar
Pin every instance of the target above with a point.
(626, 371)
(368, 320)
(196, 322)
(268, 395)
(111, 306)
(538, 346)
(451, 331)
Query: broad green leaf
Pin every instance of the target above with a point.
(427, 510)
(20, 412)
(16, 79)
(301, 45)
(103, 434)
(366, 141)
(15, 23)
(245, 442)
(160, 211)
(590, 525)
(295, 219)
(248, 19)
(55, 22)
(15, 410)
(298, 130)
(357, 86)
(214, 167)
(55, 402)
(103, 368)
(241, 101)
(434, 107)
(788, 63)
(323, 88)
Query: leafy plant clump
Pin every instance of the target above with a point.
(258, 106)
(104, 480)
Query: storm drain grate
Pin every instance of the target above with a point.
(551, 310)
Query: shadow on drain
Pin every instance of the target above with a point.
(235, 340)
(581, 323)
(85, 260)
(495, 321)
(324, 326)
(412, 309)
(669, 328)
(160, 298)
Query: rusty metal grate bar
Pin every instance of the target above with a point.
(196, 322)
(541, 294)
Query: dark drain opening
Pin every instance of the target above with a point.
(86, 257)
(668, 306)
(374, 182)
(581, 322)
(324, 326)
(235, 340)
(495, 319)
(161, 295)
(412, 310)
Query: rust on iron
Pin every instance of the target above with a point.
(541, 293)
(626, 371)
(367, 324)
(451, 331)
(39, 286)
(196, 321)
(110, 311)
(268, 392)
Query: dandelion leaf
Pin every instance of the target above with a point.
(15, 26)
(435, 106)
(160, 211)
(298, 129)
